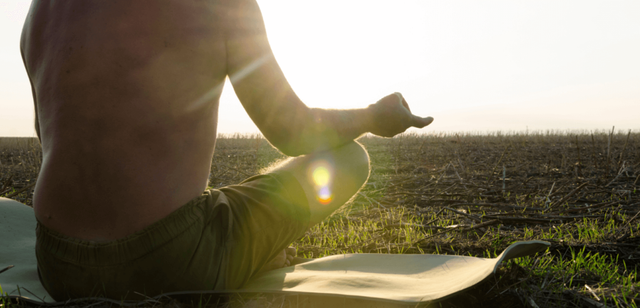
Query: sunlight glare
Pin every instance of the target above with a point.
(321, 173)
(324, 195)
(321, 176)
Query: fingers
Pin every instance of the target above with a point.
(421, 122)
(290, 255)
(415, 120)
(402, 101)
(399, 95)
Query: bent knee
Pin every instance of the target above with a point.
(354, 157)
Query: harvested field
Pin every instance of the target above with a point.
(467, 194)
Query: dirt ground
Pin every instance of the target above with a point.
(467, 194)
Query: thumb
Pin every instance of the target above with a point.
(421, 122)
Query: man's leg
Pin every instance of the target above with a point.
(267, 208)
(329, 178)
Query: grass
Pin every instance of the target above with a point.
(467, 194)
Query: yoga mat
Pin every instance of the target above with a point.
(388, 278)
(18, 249)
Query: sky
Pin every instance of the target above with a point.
(475, 66)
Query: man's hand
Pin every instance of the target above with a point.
(391, 115)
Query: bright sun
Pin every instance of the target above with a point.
(341, 54)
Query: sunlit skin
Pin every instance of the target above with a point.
(126, 96)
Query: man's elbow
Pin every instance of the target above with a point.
(284, 142)
(292, 152)
(291, 148)
(298, 143)
(294, 138)
(303, 141)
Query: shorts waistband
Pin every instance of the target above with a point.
(127, 249)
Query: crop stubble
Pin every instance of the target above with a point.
(465, 194)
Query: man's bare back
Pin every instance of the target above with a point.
(126, 95)
(127, 98)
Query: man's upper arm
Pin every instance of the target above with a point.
(258, 80)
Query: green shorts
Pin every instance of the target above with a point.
(217, 241)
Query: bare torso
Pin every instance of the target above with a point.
(126, 95)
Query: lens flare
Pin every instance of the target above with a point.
(321, 176)
(324, 195)
(321, 173)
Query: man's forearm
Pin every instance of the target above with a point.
(324, 129)
(311, 130)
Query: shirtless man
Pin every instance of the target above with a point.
(126, 96)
